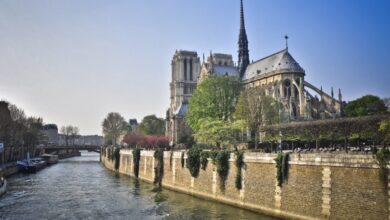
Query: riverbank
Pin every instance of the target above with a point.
(319, 186)
(10, 169)
(93, 192)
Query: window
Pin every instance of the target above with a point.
(191, 77)
(287, 91)
(185, 69)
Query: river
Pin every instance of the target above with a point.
(81, 188)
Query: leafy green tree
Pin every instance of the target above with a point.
(384, 128)
(151, 125)
(215, 100)
(256, 110)
(366, 105)
(114, 125)
(217, 132)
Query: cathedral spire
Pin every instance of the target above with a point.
(243, 52)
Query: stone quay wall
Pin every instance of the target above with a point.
(319, 186)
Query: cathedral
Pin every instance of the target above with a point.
(279, 74)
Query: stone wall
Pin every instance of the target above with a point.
(319, 186)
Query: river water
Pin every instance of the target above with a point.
(81, 188)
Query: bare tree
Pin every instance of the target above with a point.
(71, 133)
(114, 125)
(256, 110)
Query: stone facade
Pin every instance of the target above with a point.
(319, 186)
(185, 72)
(218, 65)
(279, 74)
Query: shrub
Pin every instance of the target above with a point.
(204, 155)
(159, 166)
(239, 165)
(222, 160)
(382, 157)
(193, 161)
(182, 160)
(136, 159)
(213, 155)
(116, 157)
(281, 168)
(170, 159)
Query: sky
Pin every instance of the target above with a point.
(73, 61)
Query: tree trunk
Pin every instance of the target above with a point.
(345, 144)
(316, 144)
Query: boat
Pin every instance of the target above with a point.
(31, 165)
(50, 158)
(3, 186)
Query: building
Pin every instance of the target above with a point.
(133, 124)
(218, 64)
(279, 74)
(80, 140)
(50, 132)
(185, 72)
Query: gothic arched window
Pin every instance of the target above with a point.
(191, 77)
(287, 90)
(185, 69)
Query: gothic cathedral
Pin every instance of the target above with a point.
(279, 74)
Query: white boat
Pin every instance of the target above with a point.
(50, 158)
(3, 186)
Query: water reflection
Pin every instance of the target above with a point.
(80, 188)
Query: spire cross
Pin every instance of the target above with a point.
(286, 37)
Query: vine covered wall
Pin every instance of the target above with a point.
(319, 186)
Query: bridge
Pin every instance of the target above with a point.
(51, 149)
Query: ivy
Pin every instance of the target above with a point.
(239, 165)
(171, 159)
(382, 157)
(204, 155)
(159, 167)
(136, 159)
(193, 161)
(213, 155)
(182, 159)
(281, 168)
(222, 160)
(109, 154)
(116, 157)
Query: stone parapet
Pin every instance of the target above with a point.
(319, 186)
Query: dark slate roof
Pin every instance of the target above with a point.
(182, 110)
(219, 70)
(281, 61)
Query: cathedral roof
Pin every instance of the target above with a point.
(279, 62)
(220, 70)
(182, 110)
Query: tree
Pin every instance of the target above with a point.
(217, 132)
(70, 132)
(366, 105)
(114, 125)
(256, 110)
(151, 125)
(214, 99)
(33, 136)
(384, 128)
(17, 130)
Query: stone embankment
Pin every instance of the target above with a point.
(319, 186)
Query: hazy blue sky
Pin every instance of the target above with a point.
(73, 61)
